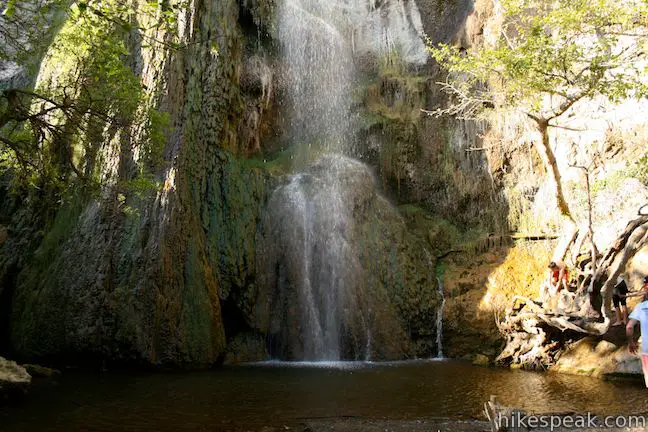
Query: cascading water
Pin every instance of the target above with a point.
(318, 219)
(439, 321)
(319, 71)
(439, 313)
(319, 68)
(310, 256)
(319, 235)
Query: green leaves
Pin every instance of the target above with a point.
(10, 9)
(567, 49)
(87, 98)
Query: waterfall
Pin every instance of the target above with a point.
(318, 61)
(439, 321)
(323, 298)
(439, 312)
(319, 71)
(318, 219)
(312, 258)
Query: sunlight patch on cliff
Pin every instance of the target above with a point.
(521, 273)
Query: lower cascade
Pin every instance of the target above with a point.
(340, 276)
(315, 236)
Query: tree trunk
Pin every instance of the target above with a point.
(549, 159)
(569, 229)
(535, 337)
(570, 233)
(629, 243)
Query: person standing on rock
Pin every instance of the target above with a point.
(619, 295)
(640, 314)
(557, 279)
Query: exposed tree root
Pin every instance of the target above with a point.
(536, 336)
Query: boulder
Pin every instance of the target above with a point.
(41, 371)
(598, 358)
(481, 360)
(13, 377)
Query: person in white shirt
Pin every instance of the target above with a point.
(640, 314)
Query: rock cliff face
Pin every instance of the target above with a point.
(437, 164)
(139, 276)
(171, 275)
(482, 284)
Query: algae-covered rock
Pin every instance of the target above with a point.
(41, 371)
(141, 282)
(13, 377)
(480, 360)
(137, 276)
(340, 277)
(245, 348)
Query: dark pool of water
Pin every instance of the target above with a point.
(250, 397)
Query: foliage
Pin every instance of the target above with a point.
(276, 164)
(640, 170)
(142, 185)
(156, 128)
(391, 62)
(565, 49)
(26, 28)
(611, 182)
(548, 56)
(87, 97)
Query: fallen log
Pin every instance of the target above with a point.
(534, 237)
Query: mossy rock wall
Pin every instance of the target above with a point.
(133, 283)
(434, 163)
(168, 275)
(138, 276)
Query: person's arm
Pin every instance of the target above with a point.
(632, 344)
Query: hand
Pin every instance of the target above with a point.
(632, 347)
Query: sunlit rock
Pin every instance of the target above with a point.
(12, 377)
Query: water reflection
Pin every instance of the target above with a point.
(250, 397)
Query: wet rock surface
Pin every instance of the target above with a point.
(13, 378)
(245, 348)
(595, 357)
(421, 425)
(328, 237)
(41, 371)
